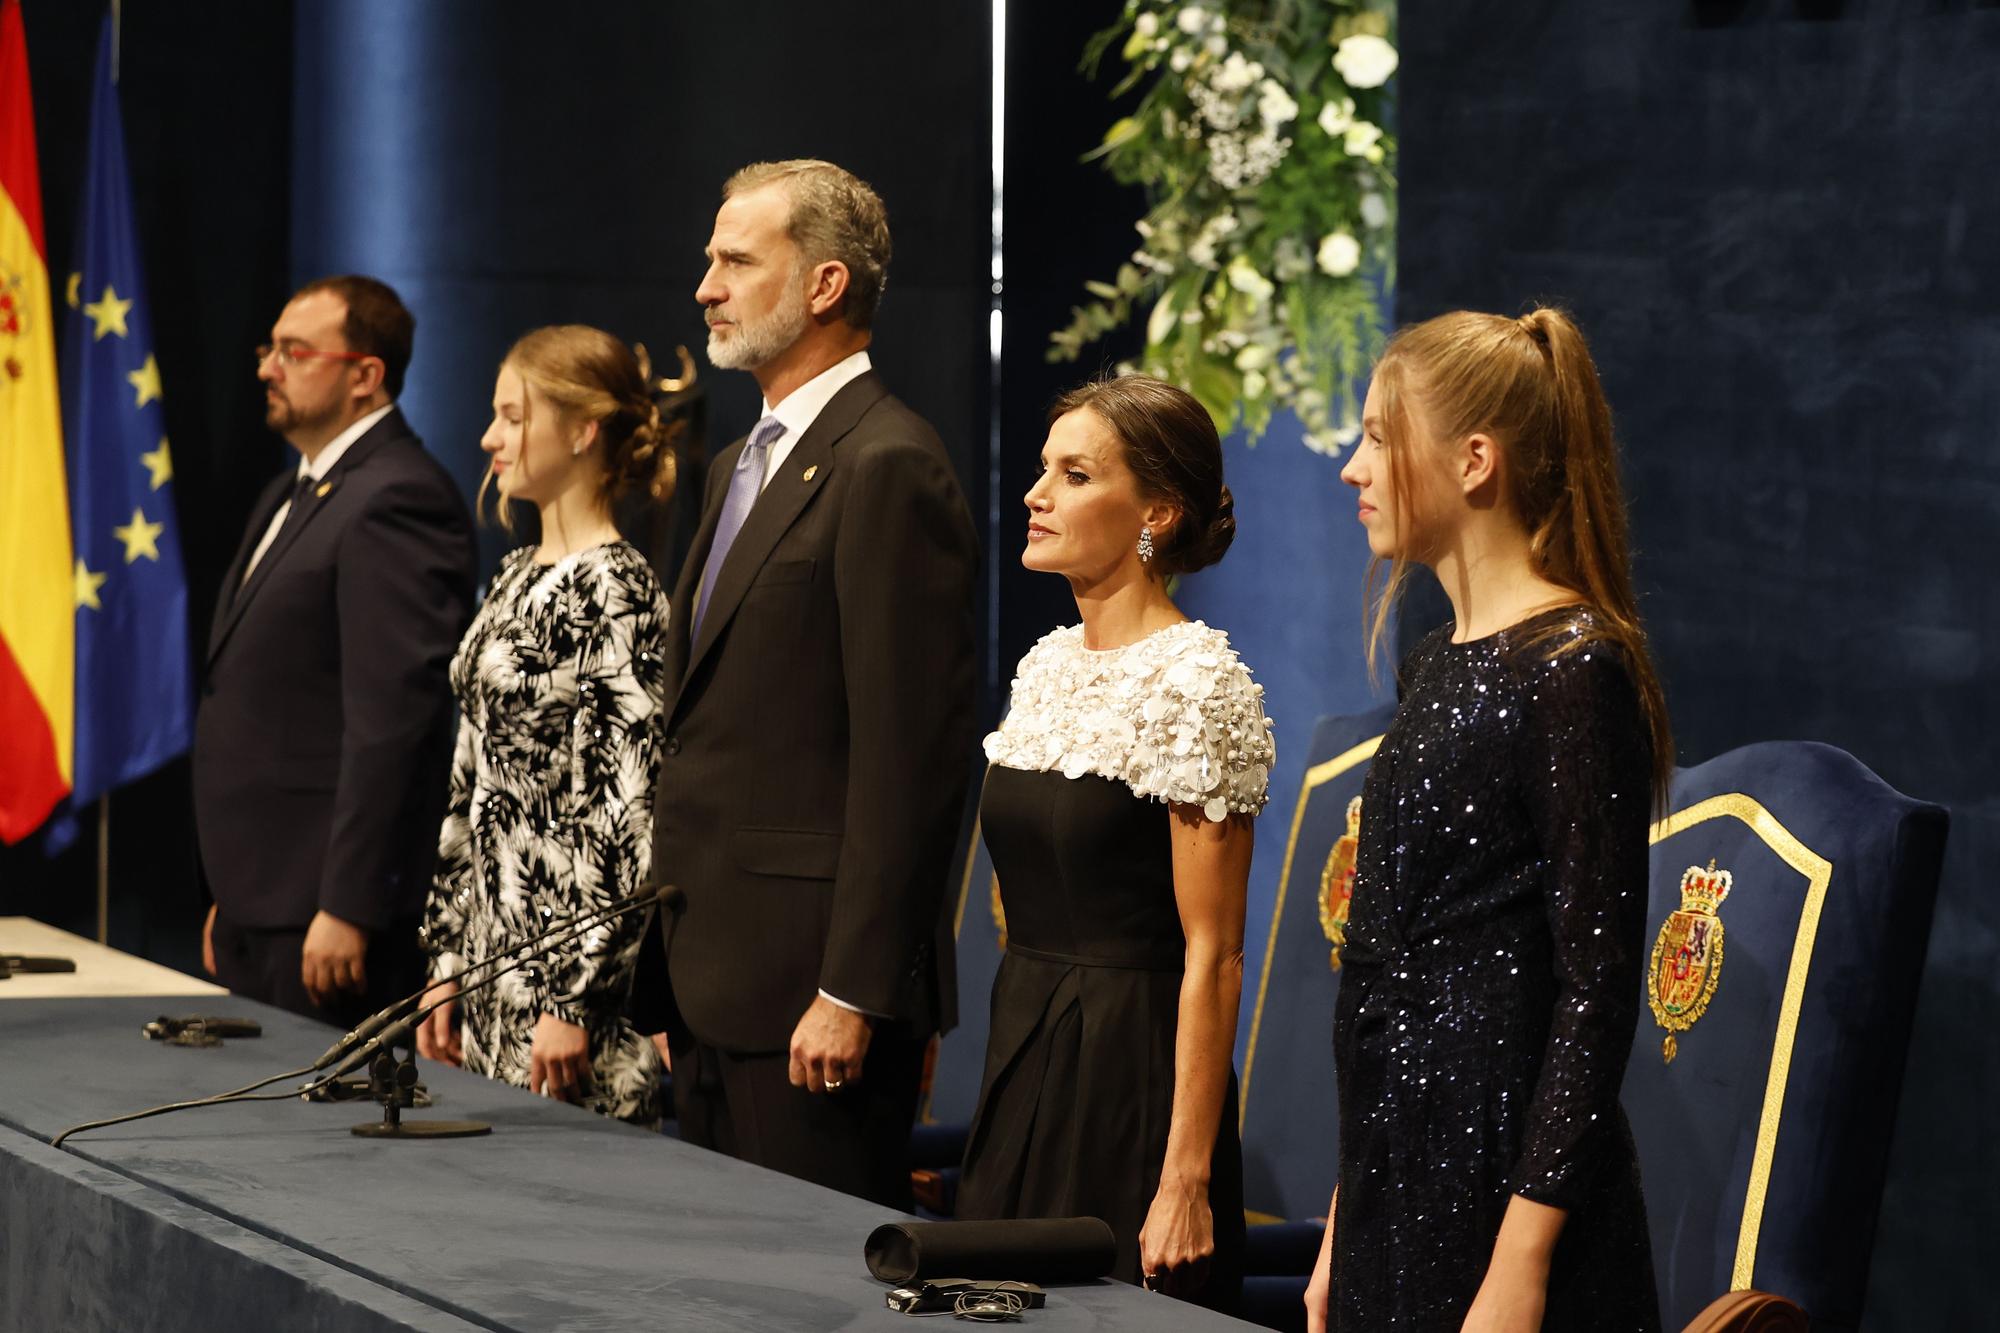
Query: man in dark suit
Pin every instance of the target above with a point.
(820, 715)
(322, 739)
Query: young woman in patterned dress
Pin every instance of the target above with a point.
(559, 684)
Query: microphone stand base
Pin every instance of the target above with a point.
(423, 1129)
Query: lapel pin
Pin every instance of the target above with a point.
(812, 472)
(324, 487)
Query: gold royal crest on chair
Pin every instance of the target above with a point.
(1336, 883)
(1687, 956)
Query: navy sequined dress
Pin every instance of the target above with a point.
(1491, 984)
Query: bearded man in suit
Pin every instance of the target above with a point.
(322, 736)
(820, 717)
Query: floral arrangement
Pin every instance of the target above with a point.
(1269, 235)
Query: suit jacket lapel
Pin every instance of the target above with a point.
(388, 428)
(782, 501)
(232, 581)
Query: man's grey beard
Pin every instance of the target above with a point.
(754, 345)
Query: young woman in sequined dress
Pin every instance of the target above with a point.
(1495, 948)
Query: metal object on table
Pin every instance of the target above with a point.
(199, 1030)
(392, 1081)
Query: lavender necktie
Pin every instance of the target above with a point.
(744, 488)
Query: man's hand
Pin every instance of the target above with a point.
(437, 1036)
(559, 1060)
(208, 942)
(332, 961)
(828, 1047)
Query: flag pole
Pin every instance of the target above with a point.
(104, 868)
(117, 34)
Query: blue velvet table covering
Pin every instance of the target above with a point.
(274, 1215)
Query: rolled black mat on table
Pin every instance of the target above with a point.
(1038, 1249)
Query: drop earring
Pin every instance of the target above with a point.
(1146, 545)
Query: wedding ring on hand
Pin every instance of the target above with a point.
(1151, 1281)
(833, 1085)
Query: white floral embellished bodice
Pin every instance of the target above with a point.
(1174, 716)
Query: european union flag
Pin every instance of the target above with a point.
(134, 701)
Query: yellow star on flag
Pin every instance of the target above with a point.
(145, 381)
(75, 286)
(87, 585)
(140, 537)
(109, 314)
(160, 464)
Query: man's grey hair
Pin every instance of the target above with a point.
(835, 215)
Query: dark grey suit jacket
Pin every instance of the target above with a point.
(818, 735)
(322, 738)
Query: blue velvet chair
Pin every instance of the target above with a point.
(1290, 1127)
(1764, 1140)
(938, 1145)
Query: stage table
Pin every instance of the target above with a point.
(273, 1215)
(99, 970)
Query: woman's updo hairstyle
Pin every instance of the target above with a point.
(1173, 450)
(589, 375)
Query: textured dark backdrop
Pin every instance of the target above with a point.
(1780, 224)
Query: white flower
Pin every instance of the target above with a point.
(1339, 254)
(1191, 20)
(1202, 252)
(1162, 321)
(1254, 384)
(1374, 210)
(1254, 357)
(1216, 45)
(1365, 61)
(1336, 116)
(1362, 136)
(1180, 60)
(1235, 74)
(1245, 278)
(1349, 432)
(1275, 105)
(1148, 25)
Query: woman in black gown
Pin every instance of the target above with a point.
(1495, 943)
(1118, 809)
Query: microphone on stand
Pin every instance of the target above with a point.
(392, 1081)
(372, 1025)
(383, 1028)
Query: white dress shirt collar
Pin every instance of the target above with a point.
(323, 464)
(803, 405)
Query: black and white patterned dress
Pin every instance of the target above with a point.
(560, 682)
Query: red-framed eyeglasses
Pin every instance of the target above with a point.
(290, 354)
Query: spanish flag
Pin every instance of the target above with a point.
(37, 589)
